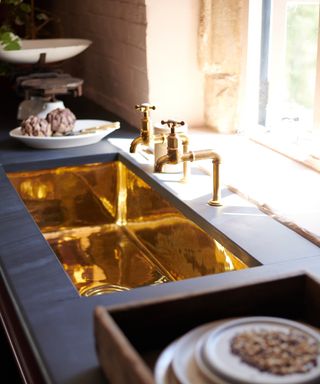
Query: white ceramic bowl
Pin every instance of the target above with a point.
(55, 50)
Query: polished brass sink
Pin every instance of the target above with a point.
(111, 231)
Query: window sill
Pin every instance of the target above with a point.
(285, 189)
(304, 152)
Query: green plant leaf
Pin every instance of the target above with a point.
(26, 8)
(19, 21)
(19, 15)
(13, 2)
(12, 46)
(5, 37)
(42, 16)
(4, 28)
(9, 41)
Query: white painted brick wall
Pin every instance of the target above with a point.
(114, 67)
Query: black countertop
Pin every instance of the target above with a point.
(49, 324)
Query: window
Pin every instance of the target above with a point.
(283, 79)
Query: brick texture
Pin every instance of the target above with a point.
(114, 67)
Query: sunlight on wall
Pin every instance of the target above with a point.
(175, 80)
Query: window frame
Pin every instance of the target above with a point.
(262, 80)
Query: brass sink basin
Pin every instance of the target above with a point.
(112, 232)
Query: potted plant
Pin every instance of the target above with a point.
(21, 19)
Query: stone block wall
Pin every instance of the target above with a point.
(114, 67)
(142, 51)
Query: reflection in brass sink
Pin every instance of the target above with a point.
(111, 231)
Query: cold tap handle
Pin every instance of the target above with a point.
(145, 107)
(172, 124)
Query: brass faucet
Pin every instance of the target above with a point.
(146, 131)
(174, 156)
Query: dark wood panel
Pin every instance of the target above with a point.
(22, 366)
(130, 338)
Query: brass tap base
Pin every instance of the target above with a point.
(184, 180)
(214, 203)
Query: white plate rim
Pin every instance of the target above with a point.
(163, 364)
(182, 345)
(55, 142)
(201, 361)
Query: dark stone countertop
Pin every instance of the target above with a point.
(40, 305)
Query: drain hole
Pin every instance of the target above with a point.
(103, 289)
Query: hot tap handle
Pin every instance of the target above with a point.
(172, 124)
(144, 107)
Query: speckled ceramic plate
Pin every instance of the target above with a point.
(214, 355)
(56, 142)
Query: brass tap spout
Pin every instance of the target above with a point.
(216, 160)
(157, 139)
(146, 130)
(173, 156)
(163, 160)
(135, 143)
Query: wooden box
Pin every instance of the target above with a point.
(129, 339)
